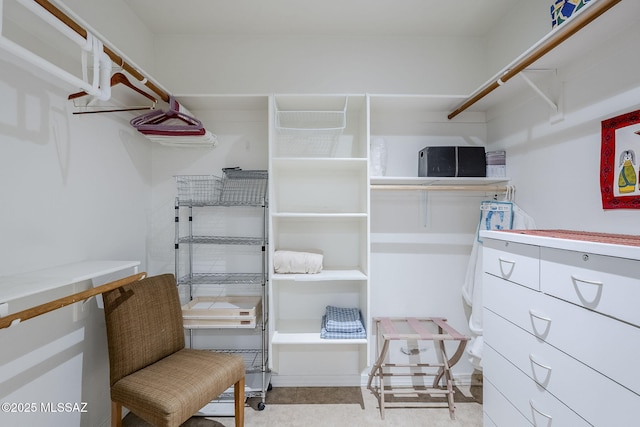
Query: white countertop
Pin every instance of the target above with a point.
(563, 240)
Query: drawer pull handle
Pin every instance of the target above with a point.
(589, 282)
(506, 272)
(538, 316)
(538, 411)
(540, 328)
(589, 295)
(541, 378)
(534, 361)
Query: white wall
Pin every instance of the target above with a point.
(301, 64)
(73, 187)
(523, 26)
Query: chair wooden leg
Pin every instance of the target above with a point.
(238, 396)
(116, 414)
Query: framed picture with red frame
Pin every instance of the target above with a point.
(619, 167)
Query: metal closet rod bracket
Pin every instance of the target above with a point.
(540, 92)
(555, 100)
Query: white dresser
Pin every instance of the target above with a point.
(562, 329)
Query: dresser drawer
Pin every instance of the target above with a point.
(605, 344)
(604, 284)
(576, 385)
(515, 262)
(513, 302)
(539, 407)
(498, 411)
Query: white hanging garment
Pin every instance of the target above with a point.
(472, 286)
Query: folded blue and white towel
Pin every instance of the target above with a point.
(324, 333)
(343, 319)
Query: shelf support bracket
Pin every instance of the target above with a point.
(539, 91)
(425, 217)
(556, 106)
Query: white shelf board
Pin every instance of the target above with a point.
(318, 215)
(409, 180)
(280, 338)
(324, 275)
(31, 283)
(305, 331)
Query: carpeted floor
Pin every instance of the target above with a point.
(349, 395)
(348, 407)
(312, 396)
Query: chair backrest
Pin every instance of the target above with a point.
(144, 324)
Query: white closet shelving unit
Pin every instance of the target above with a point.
(319, 202)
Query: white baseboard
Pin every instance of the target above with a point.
(465, 379)
(316, 381)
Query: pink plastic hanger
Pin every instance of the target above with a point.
(171, 122)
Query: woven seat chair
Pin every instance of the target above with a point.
(151, 372)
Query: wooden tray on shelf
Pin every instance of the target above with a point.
(222, 312)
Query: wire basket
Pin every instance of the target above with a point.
(310, 133)
(244, 187)
(198, 190)
(237, 187)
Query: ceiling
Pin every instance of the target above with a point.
(322, 17)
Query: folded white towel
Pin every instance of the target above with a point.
(297, 262)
